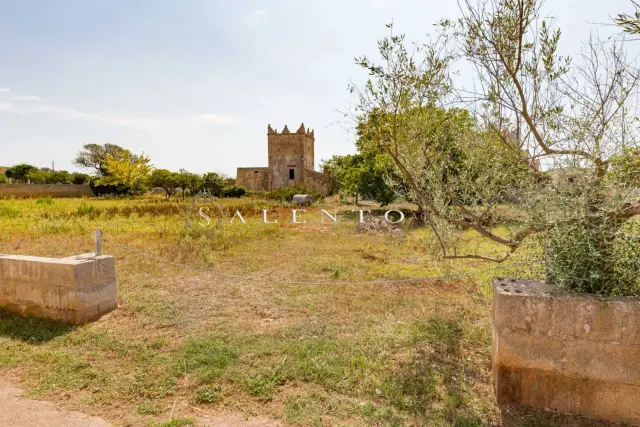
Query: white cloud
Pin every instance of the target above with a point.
(218, 118)
(140, 123)
(26, 98)
(259, 12)
(5, 106)
(4, 90)
(144, 124)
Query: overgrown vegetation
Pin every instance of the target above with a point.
(286, 194)
(553, 135)
(396, 354)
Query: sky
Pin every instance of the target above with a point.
(194, 83)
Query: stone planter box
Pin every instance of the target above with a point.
(572, 353)
(75, 290)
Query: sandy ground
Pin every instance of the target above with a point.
(16, 410)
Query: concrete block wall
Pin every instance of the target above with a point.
(75, 290)
(571, 353)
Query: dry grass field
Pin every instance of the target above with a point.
(291, 338)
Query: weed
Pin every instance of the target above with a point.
(85, 209)
(150, 409)
(209, 394)
(176, 422)
(206, 358)
(265, 385)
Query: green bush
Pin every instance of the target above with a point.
(80, 178)
(286, 194)
(3, 179)
(233, 191)
(85, 209)
(208, 394)
(599, 258)
(44, 201)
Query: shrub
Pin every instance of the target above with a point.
(208, 394)
(286, 194)
(80, 178)
(44, 201)
(20, 172)
(103, 190)
(234, 191)
(3, 179)
(85, 209)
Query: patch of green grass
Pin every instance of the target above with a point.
(8, 211)
(176, 422)
(264, 386)
(206, 358)
(447, 334)
(85, 209)
(44, 201)
(208, 394)
(150, 409)
(29, 329)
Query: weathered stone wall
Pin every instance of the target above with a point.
(570, 353)
(75, 290)
(254, 179)
(44, 190)
(318, 181)
(287, 151)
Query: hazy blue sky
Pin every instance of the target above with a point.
(194, 83)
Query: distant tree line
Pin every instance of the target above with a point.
(25, 173)
(118, 171)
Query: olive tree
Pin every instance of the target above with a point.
(546, 129)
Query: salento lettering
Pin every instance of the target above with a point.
(392, 216)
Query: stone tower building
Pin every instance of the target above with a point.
(291, 163)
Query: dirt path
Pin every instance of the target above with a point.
(16, 410)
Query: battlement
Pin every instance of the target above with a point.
(301, 131)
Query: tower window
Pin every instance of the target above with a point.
(292, 173)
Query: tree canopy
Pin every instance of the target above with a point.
(95, 157)
(459, 151)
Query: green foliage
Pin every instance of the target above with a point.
(95, 156)
(208, 394)
(126, 170)
(19, 172)
(265, 385)
(214, 183)
(108, 190)
(167, 180)
(189, 182)
(630, 24)
(534, 109)
(366, 175)
(625, 168)
(176, 422)
(85, 209)
(45, 176)
(206, 358)
(44, 201)
(285, 194)
(80, 178)
(234, 191)
(3, 179)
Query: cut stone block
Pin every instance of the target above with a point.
(75, 290)
(567, 352)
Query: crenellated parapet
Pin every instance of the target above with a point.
(301, 131)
